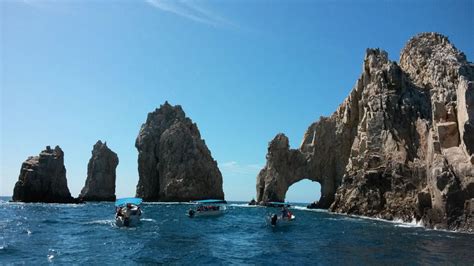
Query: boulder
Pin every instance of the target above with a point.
(43, 179)
(174, 163)
(100, 181)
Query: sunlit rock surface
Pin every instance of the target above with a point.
(399, 147)
(174, 163)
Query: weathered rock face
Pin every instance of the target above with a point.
(399, 147)
(174, 163)
(43, 179)
(100, 182)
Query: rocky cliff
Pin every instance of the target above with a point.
(174, 163)
(43, 179)
(399, 147)
(100, 181)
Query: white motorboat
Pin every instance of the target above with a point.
(285, 217)
(128, 212)
(275, 219)
(207, 208)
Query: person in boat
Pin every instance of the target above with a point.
(128, 210)
(284, 212)
(274, 219)
(118, 212)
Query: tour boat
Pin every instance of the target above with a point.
(206, 208)
(128, 212)
(285, 217)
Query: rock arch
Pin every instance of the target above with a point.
(399, 147)
(286, 167)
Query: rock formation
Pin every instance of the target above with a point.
(43, 179)
(174, 163)
(399, 147)
(100, 182)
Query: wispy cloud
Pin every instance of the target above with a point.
(234, 167)
(191, 10)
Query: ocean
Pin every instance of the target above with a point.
(86, 234)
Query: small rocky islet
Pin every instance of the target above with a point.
(174, 165)
(101, 174)
(400, 146)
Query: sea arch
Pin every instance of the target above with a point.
(287, 166)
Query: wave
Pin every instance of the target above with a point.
(243, 205)
(302, 208)
(108, 222)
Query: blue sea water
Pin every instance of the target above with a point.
(86, 234)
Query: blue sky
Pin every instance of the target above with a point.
(73, 72)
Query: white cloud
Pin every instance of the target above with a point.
(190, 10)
(234, 167)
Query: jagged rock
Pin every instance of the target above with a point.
(174, 163)
(252, 202)
(43, 179)
(398, 147)
(100, 182)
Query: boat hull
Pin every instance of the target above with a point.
(281, 221)
(207, 213)
(133, 220)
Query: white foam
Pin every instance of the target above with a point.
(101, 222)
(243, 205)
(302, 208)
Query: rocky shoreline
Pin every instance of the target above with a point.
(399, 147)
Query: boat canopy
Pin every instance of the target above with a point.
(125, 201)
(210, 201)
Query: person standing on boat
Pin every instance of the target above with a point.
(128, 210)
(284, 212)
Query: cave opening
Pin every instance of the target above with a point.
(304, 191)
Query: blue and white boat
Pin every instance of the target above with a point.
(209, 207)
(128, 212)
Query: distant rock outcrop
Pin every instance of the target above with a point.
(43, 179)
(174, 163)
(399, 147)
(100, 182)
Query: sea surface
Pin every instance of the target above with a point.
(86, 234)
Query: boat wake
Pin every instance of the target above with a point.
(107, 222)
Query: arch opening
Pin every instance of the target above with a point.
(304, 191)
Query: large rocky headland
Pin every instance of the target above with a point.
(43, 179)
(174, 163)
(400, 146)
(101, 174)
